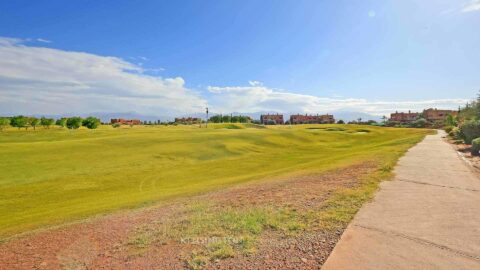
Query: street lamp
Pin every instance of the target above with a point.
(206, 122)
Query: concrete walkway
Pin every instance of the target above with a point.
(428, 217)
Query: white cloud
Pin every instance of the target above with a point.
(4, 41)
(44, 40)
(255, 83)
(372, 13)
(50, 81)
(257, 98)
(474, 5)
(37, 80)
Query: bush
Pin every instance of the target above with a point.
(420, 123)
(91, 122)
(475, 147)
(4, 122)
(470, 130)
(392, 124)
(116, 125)
(455, 133)
(74, 122)
(61, 122)
(448, 129)
(340, 122)
(271, 122)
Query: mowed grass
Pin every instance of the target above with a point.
(55, 176)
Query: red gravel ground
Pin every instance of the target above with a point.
(103, 242)
(465, 151)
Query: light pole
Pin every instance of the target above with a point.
(206, 122)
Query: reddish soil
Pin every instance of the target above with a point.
(102, 242)
(464, 150)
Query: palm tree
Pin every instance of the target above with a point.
(384, 119)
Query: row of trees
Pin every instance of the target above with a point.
(229, 119)
(26, 122)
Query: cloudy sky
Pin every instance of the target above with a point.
(177, 58)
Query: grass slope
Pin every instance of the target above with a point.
(54, 176)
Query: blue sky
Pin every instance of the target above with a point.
(165, 58)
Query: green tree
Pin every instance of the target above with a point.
(46, 122)
(450, 120)
(215, 119)
(340, 121)
(74, 122)
(19, 121)
(91, 122)
(384, 119)
(62, 122)
(243, 119)
(33, 121)
(4, 122)
(226, 119)
(234, 119)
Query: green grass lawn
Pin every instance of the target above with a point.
(57, 175)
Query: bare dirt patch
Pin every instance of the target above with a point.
(465, 151)
(143, 239)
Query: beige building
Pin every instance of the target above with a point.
(435, 115)
(276, 118)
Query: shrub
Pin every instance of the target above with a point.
(470, 130)
(455, 133)
(91, 122)
(419, 123)
(448, 129)
(392, 124)
(340, 121)
(116, 125)
(271, 122)
(475, 147)
(4, 122)
(74, 122)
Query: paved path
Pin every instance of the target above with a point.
(428, 217)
